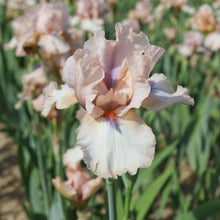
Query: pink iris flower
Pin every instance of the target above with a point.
(80, 185)
(109, 79)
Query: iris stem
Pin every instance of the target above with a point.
(129, 182)
(111, 199)
(127, 203)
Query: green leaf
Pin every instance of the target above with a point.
(203, 211)
(145, 201)
(35, 198)
(159, 158)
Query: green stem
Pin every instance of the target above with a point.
(111, 199)
(129, 182)
(127, 203)
(43, 179)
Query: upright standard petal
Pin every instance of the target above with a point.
(88, 75)
(139, 64)
(116, 145)
(162, 95)
(104, 49)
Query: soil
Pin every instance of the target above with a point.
(11, 191)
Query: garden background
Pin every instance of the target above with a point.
(183, 181)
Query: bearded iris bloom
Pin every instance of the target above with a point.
(109, 79)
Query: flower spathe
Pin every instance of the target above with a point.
(109, 79)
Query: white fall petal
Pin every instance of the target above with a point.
(113, 146)
(162, 94)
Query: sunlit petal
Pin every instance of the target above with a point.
(162, 95)
(63, 98)
(116, 145)
(65, 189)
(72, 157)
(91, 187)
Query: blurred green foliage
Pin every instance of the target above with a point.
(184, 178)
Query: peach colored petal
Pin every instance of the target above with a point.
(204, 19)
(91, 187)
(143, 61)
(120, 95)
(116, 145)
(78, 177)
(161, 95)
(65, 189)
(63, 98)
(73, 157)
(127, 41)
(102, 47)
(87, 75)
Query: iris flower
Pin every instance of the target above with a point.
(109, 79)
(80, 185)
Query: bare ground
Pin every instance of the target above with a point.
(11, 191)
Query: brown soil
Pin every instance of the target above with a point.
(11, 191)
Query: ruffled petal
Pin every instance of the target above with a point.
(162, 95)
(72, 157)
(104, 48)
(128, 41)
(68, 71)
(63, 98)
(88, 75)
(113, 146)
(138, 65)
(120, 95)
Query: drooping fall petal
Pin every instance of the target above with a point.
(116, 145)
(162, 95)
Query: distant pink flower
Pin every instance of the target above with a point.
(174, 3)
(79, 186)
(193, 41)
(170, 33)
(45, 26)
(212, 41)
(90, 14)
(204, 20)
(142, 11)
(109, 79)
(33, 84)
(20, 4)
(133, 24)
